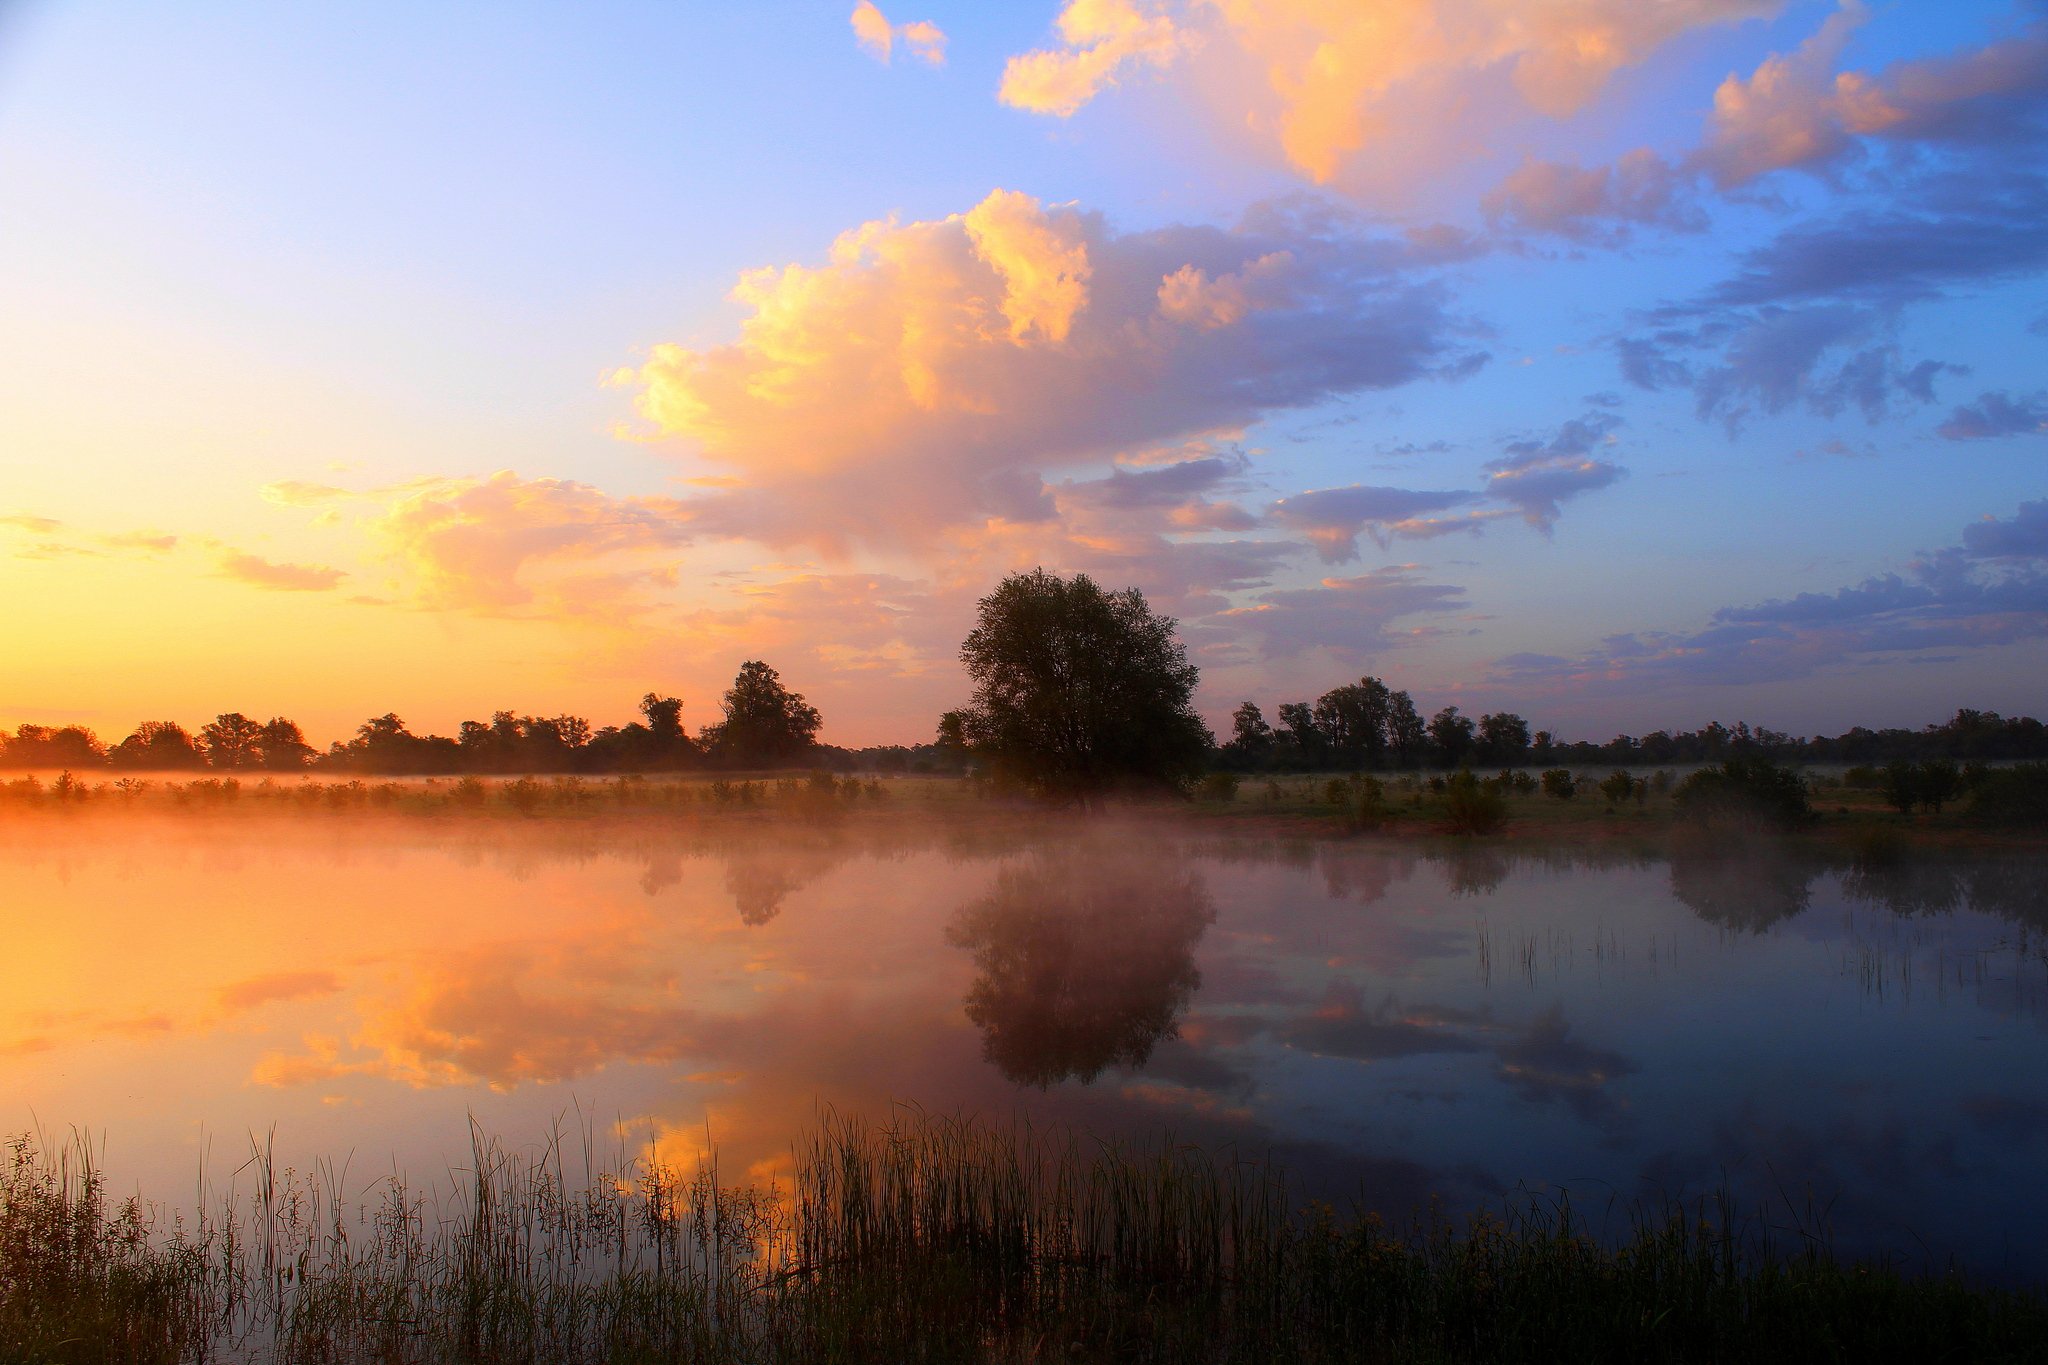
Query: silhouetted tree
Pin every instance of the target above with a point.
(765, 725)
(40, 746)
(1451, 733)
(1077, 689)
(1407, 735)
(232, 740)
(1304, 739)
(157, 744)
(282, 746)
(1353, 718)
(1251, 739)
(1503, 738)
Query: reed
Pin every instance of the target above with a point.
(930, 1238)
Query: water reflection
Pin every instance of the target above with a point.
(1750, 887)
(1083, 963)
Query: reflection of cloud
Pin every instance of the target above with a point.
(1342, 1025)
(1547, 1063)
(1084, 963)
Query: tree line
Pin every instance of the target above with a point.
(1366, 726)
(1077, 690)
(762, 725)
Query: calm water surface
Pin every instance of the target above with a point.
(1391, 1025)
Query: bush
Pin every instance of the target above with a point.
(1932, 784)
(1472, 806)
(1750, 792)
(1618, 787)
(1218, 787)
(1370, 811)
(2015, 797)
(1559, 782)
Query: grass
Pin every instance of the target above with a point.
(932, 1239)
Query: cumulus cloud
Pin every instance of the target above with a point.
(931, 374)
(878, 37)
(502, 542)
(1990, 590)
(1099, 40)
(1355, 94)
(1997, 414)
(1595, 204)
(258, 572)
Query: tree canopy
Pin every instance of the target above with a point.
(1077, 690)
(765, 723)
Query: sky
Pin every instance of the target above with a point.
(1624, 365)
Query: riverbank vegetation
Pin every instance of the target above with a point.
(932, 1239)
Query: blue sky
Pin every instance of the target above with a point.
(390, 357)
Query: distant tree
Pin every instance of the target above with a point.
(1451, 733)
(1354, 719)
(232, 740)
(157, 744)
(1249, 731)
(282, 746)
(664, 718)
(1503, 738)
(40, 746)
(1077, 689)
(1407, 735)
(765, 725)
(1301, 734)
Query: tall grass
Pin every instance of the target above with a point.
(928, 1239)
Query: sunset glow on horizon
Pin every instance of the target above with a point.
(1630, 366)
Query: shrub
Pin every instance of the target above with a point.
(1864, 777)
(1750, 792)
(1559, 783)
(1618, 787)
(2015, 797)
(1218, 787)
(1472, 806)
(1370, 810)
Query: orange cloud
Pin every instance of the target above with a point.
(500, 543)
(1353, 93)
(930, 374)
(877, 36)
(1100, 38)
(258, 572)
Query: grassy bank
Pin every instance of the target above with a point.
(935, 1240)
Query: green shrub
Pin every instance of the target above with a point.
(1560, 783)
(1218, 787)
(1618, 787)
(2015, 797)
(1472, 806)
(1751, 792)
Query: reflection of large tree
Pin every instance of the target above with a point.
(1086, 962)
(1744, 885)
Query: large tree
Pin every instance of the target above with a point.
(766, 725)
(1077, 690)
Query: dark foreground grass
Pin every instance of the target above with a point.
(933, 1240)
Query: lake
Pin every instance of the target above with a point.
(1859, 1051)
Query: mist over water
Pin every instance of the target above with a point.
(1858, 1048)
